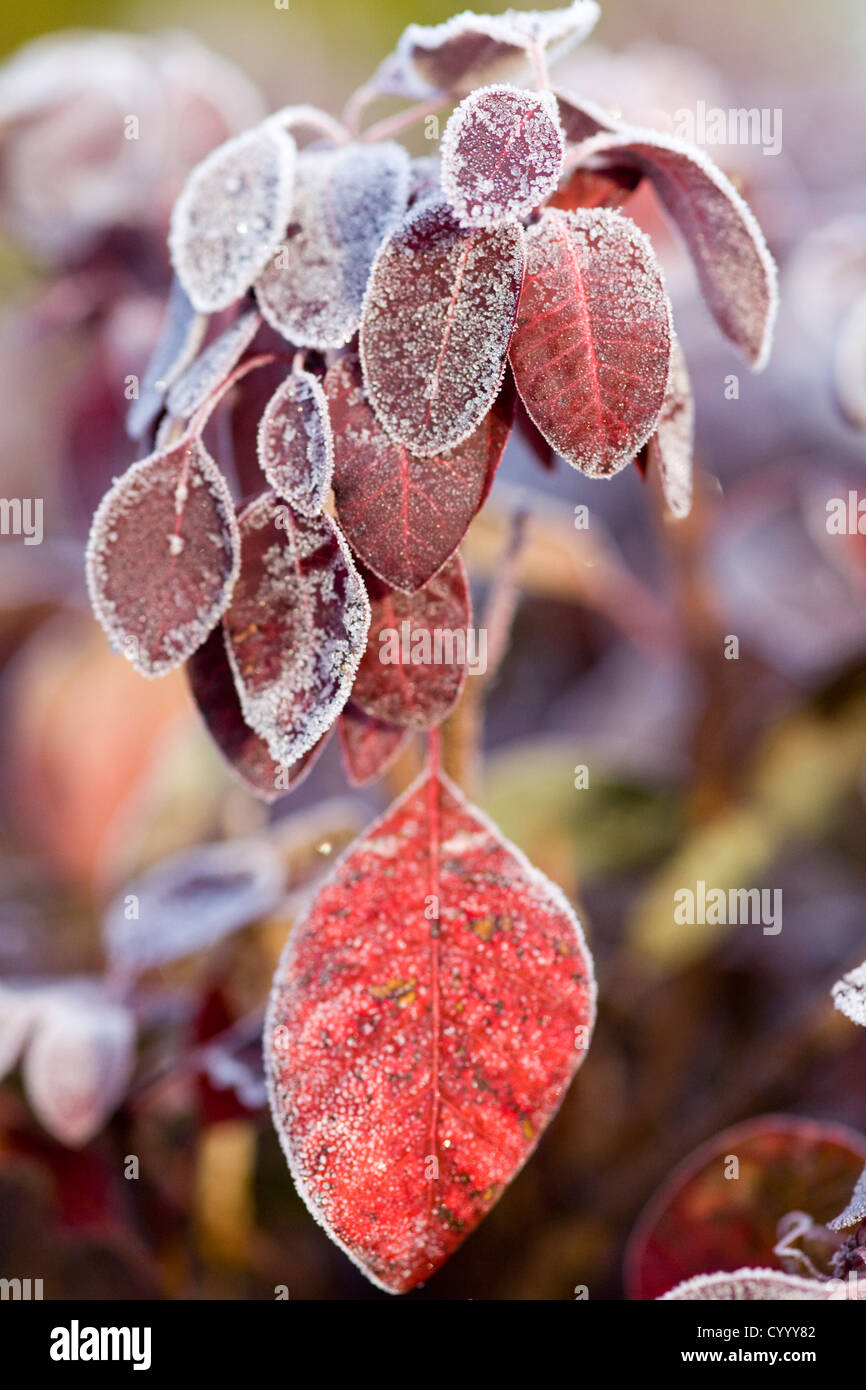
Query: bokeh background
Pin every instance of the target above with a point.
(741, 773)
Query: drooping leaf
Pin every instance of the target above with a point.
(297, 625)
(855, 1211)
(582, 118)
(369, 745)
(191, 901)
(749, 1285)
(436, 324)
(346, 202)
(670, 450)
(425, 1022)
(296, 444)
(179, 340)
(736, 271)
(209, 370)
(162, 557)
(245, 752)
(79, 1062)
(595, 188)
(849, 995)
(403, 514)
(231, 215)
(501, 154)
(591, 348)
(413, 669)
(719, 1210)
(471, 49)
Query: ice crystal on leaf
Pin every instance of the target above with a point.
(591, 347)
(849, 995)
(297, 625)
(162, 557)
(296, 445)
(209, 370)
(670, 449)
(403, 514)
(346, 202)
(750, 1285)
(369, 745)
(231, 215)
(855, 1212)
(425, 1022)
(436, 324)
(413, 669)
(501, 154)
(179, 340)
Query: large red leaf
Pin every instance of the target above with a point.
(297, 625)
(413, 669)
(403, 514)
(369, 745)
(591, 347)
(424, 1024)
(501, 154)
(295, 443)
(702, 1221)
(245, 752)
(436, 324)
(735, 269)
(162, 557)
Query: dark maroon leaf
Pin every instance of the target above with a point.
(368, 744)
(162, 557)
(501, 154)
(403, 514)
(591, 347)
(436, 325)
(209, 370)
(296, 445)
(297, 625)
(595, 188)
(415, 663)
(179, 340)
(582, 118)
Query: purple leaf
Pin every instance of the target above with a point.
(209, 370)
(369, 745)
(296, 445)
(501, 154)
(179, 340)
(670, 449)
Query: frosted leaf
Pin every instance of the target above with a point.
(179, 340)
(849, 995)
(162, 557)
(245, 752)
(751, 1285)
(20, 1004)
(297, 625)
(296, 445)
(403, 514)
(369, 745)
(436, 324)
(346, 202)
(737, 274)
(850, 365)
(581, 118)
(855, 1212)
(191, 901)
(471, 49)
(209, 370)
(591, 347)
(501, 154)
(231, 215)
(670, 449)
(425, 179)
(79, 1062)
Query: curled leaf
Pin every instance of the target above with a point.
(296, 444)
(591, 348)
(501, 154)
(436, 324)
(670, 450)
(231, 215)
(369, 745)
(162, 557)
(297, 625)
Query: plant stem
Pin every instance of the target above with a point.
(393, 125)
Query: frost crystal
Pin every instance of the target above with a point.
(346, 202)
(849, 995)
(202, 378)
(179, 340)
(296, 445)
(436, 325)
(501, 154)
(297, 625)
(751, 1285)
(855, 1212)
(231, 215)
(157, 602)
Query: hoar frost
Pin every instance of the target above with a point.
(501, 154)
(295, 443)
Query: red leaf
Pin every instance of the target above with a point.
(246, 754)
(671, 448)
(436, 325)
(595, 188)
(736, 271)
(296, 445)
(369, 745)
(416, 659)
(501, 154)
(591, 348)
(297, 625)
(582, 119)
(701, 1222)
(403, 514)
(425, 1022)
(162, 558)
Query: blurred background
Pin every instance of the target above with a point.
(746, 772)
